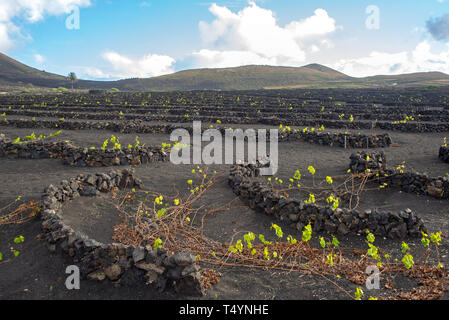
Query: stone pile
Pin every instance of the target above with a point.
(341, 221)
(113, 157)
(116, 262)
(347, 140)
(362, 161)
(82, 157)
(414, 127)
(419, 183)
(410, 182)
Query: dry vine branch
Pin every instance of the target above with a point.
(178, 234)
(21, 214)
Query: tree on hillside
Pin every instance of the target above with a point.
(72, 77)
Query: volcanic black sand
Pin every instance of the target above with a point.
(38, 274)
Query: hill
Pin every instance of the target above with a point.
(408, 80)
(16, 74)
(239, 78)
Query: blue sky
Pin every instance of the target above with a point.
(135, 38)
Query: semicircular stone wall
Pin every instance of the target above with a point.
(113, 261)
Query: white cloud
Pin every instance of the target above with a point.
(227, 59)
(328, 44)
(5, 31)
(314, 48)
(421, 59)
(150, 65)
(39, 58)
(253, 36)
(319, 24)
(31, 11)
(92, 73)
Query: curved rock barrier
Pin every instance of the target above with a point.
(410, 182)
(362, 161)
(419, 183)
(444, 154)
(113, 261)
(81, 157)
(342, 140)
(345, 140)
(323, 218)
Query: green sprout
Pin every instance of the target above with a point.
(307, 233)
(358, 294)
(278, 230)
(157, 244)
(311, 170)
(408, 261)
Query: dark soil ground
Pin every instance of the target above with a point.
(38, 274)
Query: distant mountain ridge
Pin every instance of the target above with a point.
(253, 77)
(13, 72)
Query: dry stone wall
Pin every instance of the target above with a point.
(81, 157)
(410, 182)
(113, 261)
(341, 221)
(343, 140)
(363, 161)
